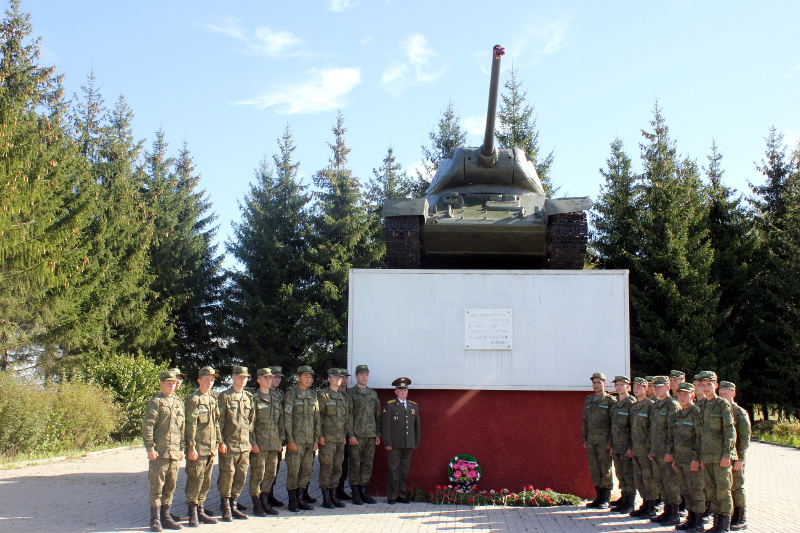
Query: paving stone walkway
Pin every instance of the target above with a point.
(107, 492)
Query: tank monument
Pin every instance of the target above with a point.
(486, 307)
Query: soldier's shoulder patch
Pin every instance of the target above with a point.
(288, 408)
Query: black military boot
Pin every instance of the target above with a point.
(194, 520)
(336, 501)
(715, 527)
(257, 510)
(235, 512)
(724, 524)
(202, 514)
(293, 507)
(225, 503)
(651, 511)
(155, 522)
(689, 522)
(265, 505)
(357, 499)
(740, 519)
(604, 501)
(707, 513)
(365, 496)
(273, 501)
(697, 526)
(340, 492)
(166, 520)
(306, 496)
(628, 504)
(301, 502)
(326, 499)
(673, 517)
(664, 513)
(618, 501)
(638, 512)
(594, 503)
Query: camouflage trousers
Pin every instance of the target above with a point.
(691, 488)
(198, 478)
(399, 465)
(666, 480)
(232, 473)
(361, 457)
(718, 488)
(623, 466)
(737, 489)
(163, 475)
(643, 476)
(331, 456)
(599, 465)
(299, 465)
(263, 467)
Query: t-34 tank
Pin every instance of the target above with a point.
(486, 208)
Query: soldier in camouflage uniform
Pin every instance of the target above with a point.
(162, 434)
(717, 452)
(621, 446)
(302, 425)
(365, 435)
(651, 390)
(640, 441)
(662, 433)
(700, 402)
(277, 394)
(676, 377)
(265, 439)
(741, 419)
(202, 441)
(596, 429)
(236, 415)
(688, 425)
(335, 424)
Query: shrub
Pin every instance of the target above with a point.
(24, 409)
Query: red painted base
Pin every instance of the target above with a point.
(519, 438)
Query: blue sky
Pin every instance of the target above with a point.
(228, 76)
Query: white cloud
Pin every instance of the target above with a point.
(475, 125)
(326, 89)
(414, 69)
(262, 42)
(538, 41)
(341, 5)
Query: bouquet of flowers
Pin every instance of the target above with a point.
(464, 470)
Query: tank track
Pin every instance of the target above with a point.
(567, 234)
(403, 245)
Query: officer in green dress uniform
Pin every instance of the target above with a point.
(365, 435)
(688, 425)
(302, 426)
(265, 439)
(717, 452)
(741, 419)
(596, 430)
(202, 442)
(163, 436)
(277, 376)
(640, 441)
(236, 416)
(662, 442)
(621, 446)
(334, 415)
(401, 432)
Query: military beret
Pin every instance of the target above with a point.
(362, 368)
(728, 385)
(706, 375)
(240, 371)
(621, 378)
(640, 381)
(208, 371)
(276, 371)
(649, 379)
(686, 386)
(168, 375)
(178, 373)
(401, 383)
(661, 380)
(677, 374)
(305, 369)
(264, 372)
(598, 375)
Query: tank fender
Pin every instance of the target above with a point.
(404, 207)
(557, 206)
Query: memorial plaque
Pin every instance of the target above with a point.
(488, 329)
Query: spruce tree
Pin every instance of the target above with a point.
(518, 129)
(447, 136)
(388, 181)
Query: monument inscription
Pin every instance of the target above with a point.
(488, 329)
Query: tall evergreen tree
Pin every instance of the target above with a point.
(447, 136)
(266, 301)
(388, 181)
(343, 237)
(518, 129)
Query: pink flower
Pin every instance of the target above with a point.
(457, 474)
(472, 474)
(492, 492)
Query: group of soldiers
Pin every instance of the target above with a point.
(679, 444)
(249, 430)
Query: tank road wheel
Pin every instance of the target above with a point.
(403, 245)
(567, 234)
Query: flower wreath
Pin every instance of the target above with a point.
(464, 469)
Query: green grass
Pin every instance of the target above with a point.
(9, 461)
(785, 433)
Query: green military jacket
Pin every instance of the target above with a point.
(596, 422)
(236, 415)
(719, 434)
(701, 403)
(640, 427)
(301, 416)
(743, 430)
(202, 424)
(279, 394)
(621, 424)
(688, 425)
(366, 409)
(335, 415)
(399, 425)
(163, 426)
(662, 426)
(267, 432)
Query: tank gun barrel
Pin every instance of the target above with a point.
(487, 150)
